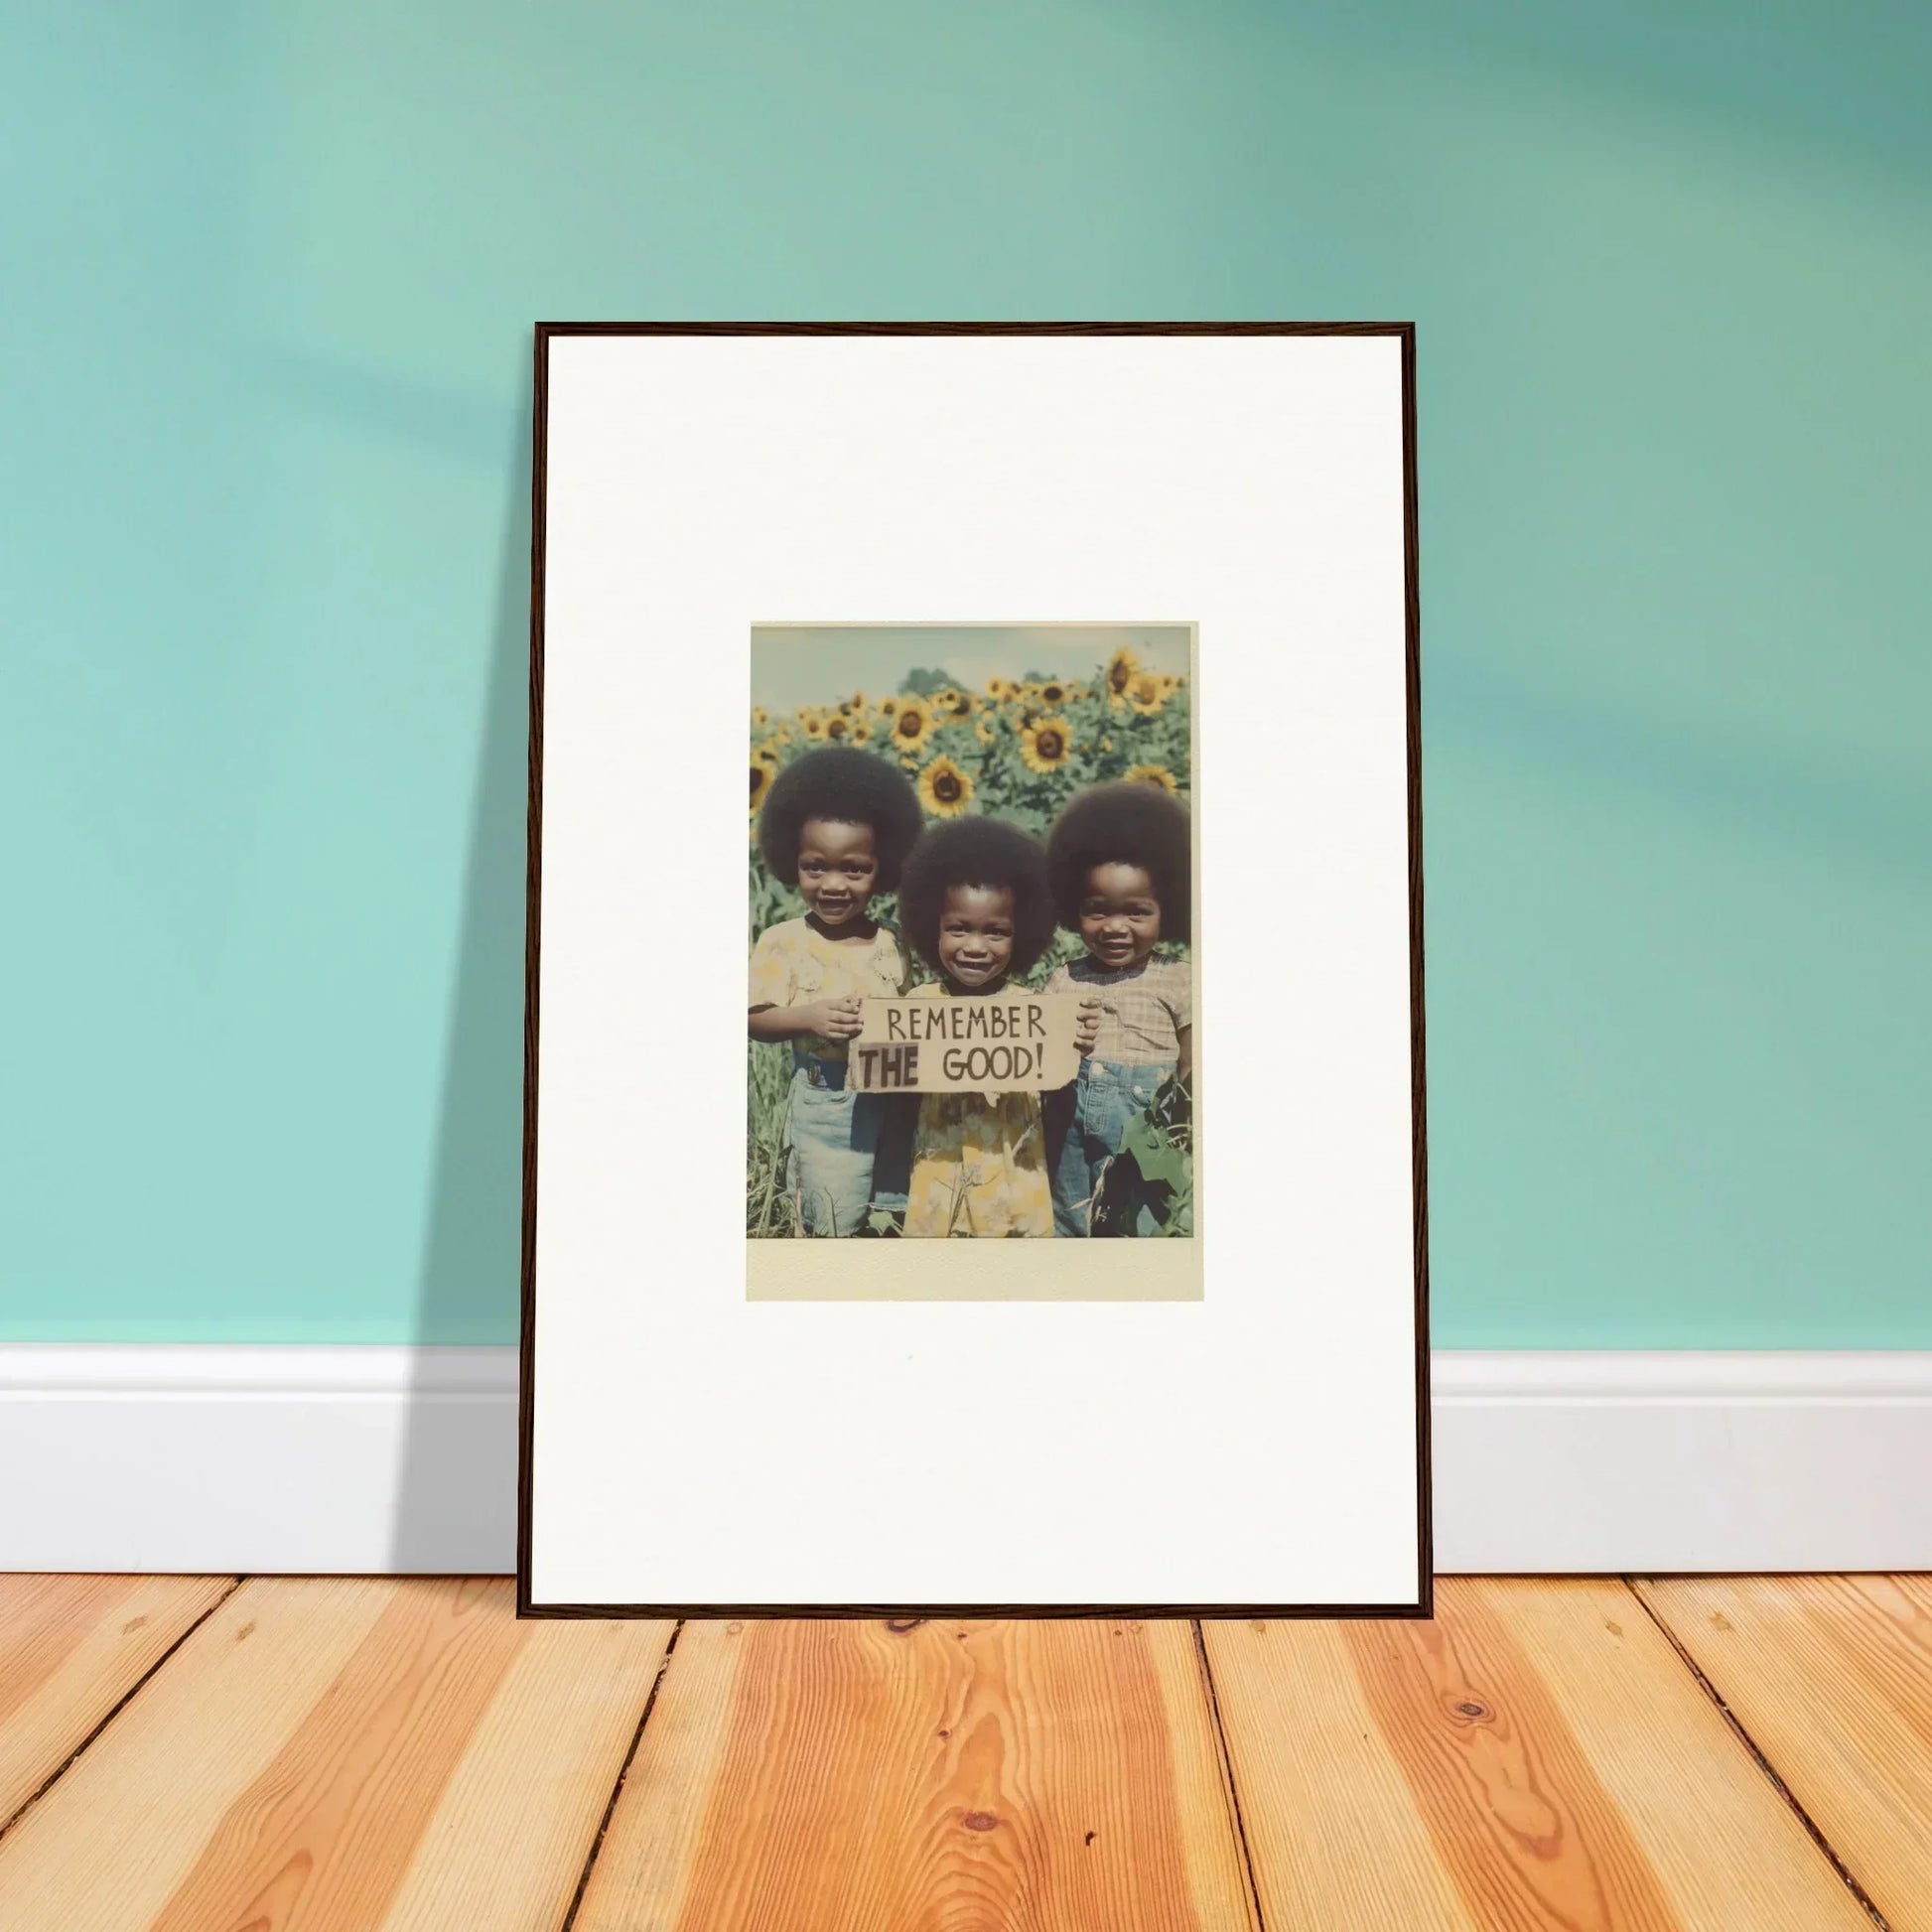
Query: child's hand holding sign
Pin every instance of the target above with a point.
(1086, 1029)
(838, 1018)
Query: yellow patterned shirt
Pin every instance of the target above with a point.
(979, 1161)
(793, 964)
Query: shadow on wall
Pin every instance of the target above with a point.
(1790, 75)
(456, 1491)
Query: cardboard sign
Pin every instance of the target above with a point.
(1002, 1044)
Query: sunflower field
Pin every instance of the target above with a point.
(1017, 750)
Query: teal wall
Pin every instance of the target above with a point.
(269, 276)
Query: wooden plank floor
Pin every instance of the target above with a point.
(208, 1754)
(1831, 1678)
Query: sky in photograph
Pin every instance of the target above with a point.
(807, 664)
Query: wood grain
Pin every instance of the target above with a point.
(71, 1649)
(1537, 1757)
(1832, 1679)
(326, 1755)
(382, 1757)
(520, 1816)
(924, 1776)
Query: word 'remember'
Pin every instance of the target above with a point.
(965, 1020)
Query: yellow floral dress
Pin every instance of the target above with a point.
(979, 1161)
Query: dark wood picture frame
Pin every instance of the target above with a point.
(1422, 1608)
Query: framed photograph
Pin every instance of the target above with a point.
(989, 1176)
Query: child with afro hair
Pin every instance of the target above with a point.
(837, 824)
(977, 908)
(1120, 857)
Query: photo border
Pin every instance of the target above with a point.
(1422, 1608)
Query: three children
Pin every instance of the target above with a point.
(979, 898)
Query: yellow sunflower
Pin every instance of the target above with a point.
(1052, 693)
(1154, 775)
(1146, 694)
(857, 702)
(838, 726)
(759, 715)
(886, 706)
(812, 725)
(1044, 745)
(953, 705)
(1120, 671)
(860, 733)
(769, 750)
(944, 789)
(984, 731)
(1000, 689)
(763, 773)
(913, 725)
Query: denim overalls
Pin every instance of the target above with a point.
(847, 1152)
(1096, 1112)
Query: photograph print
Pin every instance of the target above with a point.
(970, 1000)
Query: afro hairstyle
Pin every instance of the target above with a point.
(1126, 823)
(848, 786)
(977, 852)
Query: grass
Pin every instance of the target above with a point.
(769, 1210)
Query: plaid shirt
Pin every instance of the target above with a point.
(1142, 1008)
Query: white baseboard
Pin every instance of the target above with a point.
(268, 1461)
(346, 1459)
(1569, 1463)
